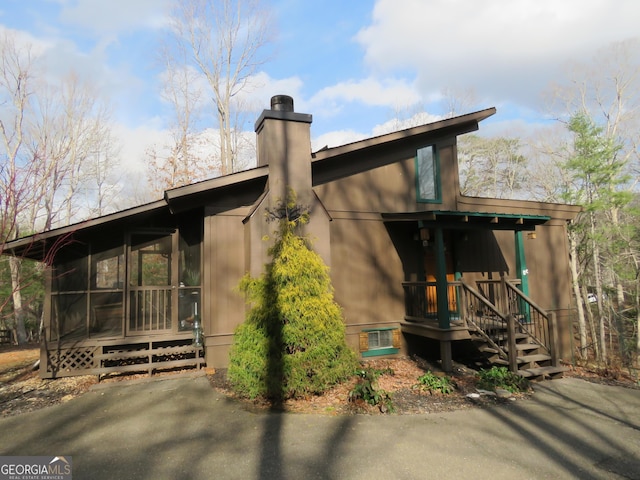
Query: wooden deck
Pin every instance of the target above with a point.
(429, 328)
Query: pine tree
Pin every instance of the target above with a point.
(293, 341)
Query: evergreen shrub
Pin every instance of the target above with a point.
(293, 341)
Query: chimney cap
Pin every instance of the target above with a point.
(282, 103)
(281, 109)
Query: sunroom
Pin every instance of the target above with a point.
(124, 298)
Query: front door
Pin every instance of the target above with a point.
(152, 278)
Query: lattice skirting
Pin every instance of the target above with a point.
(72, 361)
(148, 356)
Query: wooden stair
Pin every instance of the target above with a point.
(532, 359)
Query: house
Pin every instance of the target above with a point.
(414, 263)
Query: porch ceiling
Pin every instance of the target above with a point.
(468, 220)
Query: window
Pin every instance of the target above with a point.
(380, 341)
(428, 175)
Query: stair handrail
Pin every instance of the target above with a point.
(494, 310)
(551, 347)
(514, 286)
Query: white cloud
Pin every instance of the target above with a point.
(134, 143)
(261, 87)
(369, 91)
(505, 49)
(336, 138)
(111, 16)
(420, 118)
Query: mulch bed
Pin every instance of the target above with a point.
(407, 398)
(22, 391)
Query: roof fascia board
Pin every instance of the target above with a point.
(524, 207)
(220, 188)
(453, 126)
(213, 183)
(340, 162)
(31, 239)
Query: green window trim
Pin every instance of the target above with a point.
(380, 351)
(389, 348)
(428, 182)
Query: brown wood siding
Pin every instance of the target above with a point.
(223, 269)
(391, 188)
(385, 189)
(367, 275)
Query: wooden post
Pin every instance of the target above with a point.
(441, 282)
(521, 264)
(553, 340)
(446, 356)
(463, 304)
(511, 341)
(503, 304)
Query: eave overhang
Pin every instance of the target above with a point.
(229, 191)
(331, 164)
(36, 246)
(470, 220)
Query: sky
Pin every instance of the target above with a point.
(355, 65)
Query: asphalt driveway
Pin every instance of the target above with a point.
(180, 428)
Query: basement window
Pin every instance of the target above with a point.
(379, 341)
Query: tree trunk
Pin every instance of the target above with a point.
(638, 321)
(592, 327)
(18, 311)
(582, 324)
(597, 275)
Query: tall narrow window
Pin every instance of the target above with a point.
(428, 175)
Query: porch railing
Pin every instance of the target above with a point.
(539, 324)
(421, 300)
(485, 319)
(150, 309)
(495, 305)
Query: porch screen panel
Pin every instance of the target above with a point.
(106, 311)
(69, 314)
(150, 275)
(189, 271)
(107, 291)
(70, 283)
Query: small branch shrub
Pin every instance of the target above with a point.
(367, 390)
(502, 377)
(433, 383)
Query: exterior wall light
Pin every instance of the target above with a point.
(197, 328)
(197, 333)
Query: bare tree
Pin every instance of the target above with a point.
(176, 162)
(491, 166)
(49, 135)
(15, 95)
(606, 90)
(71, 141)
(456, 101)
(224, 40)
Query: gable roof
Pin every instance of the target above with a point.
(243, 188)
